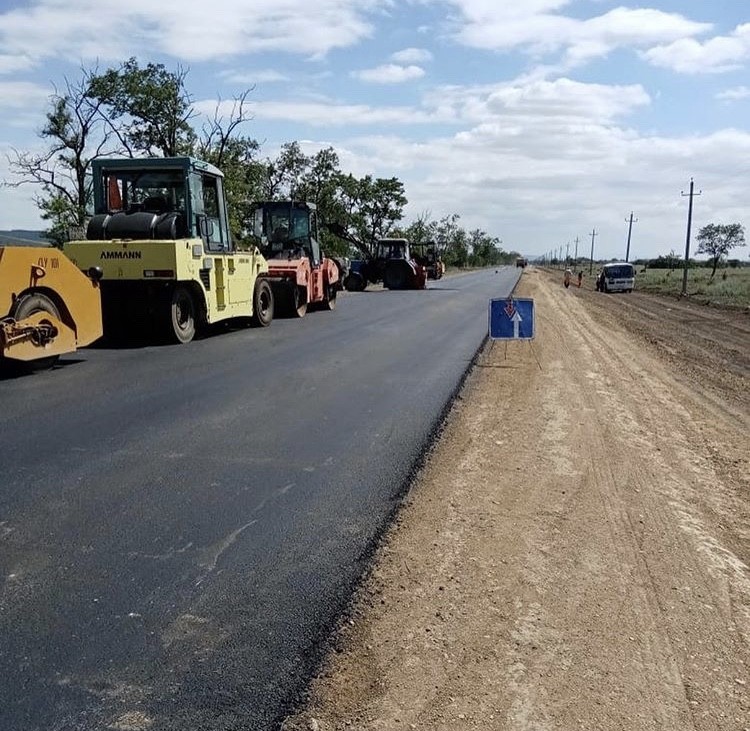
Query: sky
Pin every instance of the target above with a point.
(537, 121)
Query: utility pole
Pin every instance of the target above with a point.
(630, 231)
(576, 250)
(691, 194)
(594, 234)
(567, 253)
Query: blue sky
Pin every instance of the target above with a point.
(535, 120)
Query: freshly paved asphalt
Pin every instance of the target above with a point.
(181, 526)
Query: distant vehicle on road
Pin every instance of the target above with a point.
(521, 262)
(616, 277)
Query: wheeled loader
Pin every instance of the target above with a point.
(47, 305)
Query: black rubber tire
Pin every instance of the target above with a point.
(25, 306)
(396, 275)
(263, 304)
(181, 316)
(299, 304)
(355, 282)
(329, 303)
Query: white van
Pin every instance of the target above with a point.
(616, 277)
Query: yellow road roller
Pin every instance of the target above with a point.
(47, 305)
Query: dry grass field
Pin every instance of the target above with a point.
(728, 288)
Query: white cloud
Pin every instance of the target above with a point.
(545, 105)
(538, 186)
(250, 78)
(716, 55)
(536, 160)
(538, 101)
(325, 113)
(734, 94)
(23, 95)
(536, 28)
(188, 31)
(10, 64)
(389, 74)
(538, 163)
(411, 55)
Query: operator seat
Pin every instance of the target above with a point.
(156, 204)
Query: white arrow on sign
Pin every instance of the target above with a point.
(517, 320)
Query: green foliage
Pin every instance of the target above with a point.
(284, 173)
(75, 133)
(456, 246)
(146, 111)
(364, 209)
(150, 104)
(717, 240)
(670, 261)
(732, 290)
(63, 215)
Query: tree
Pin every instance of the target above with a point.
(77, 134)
(319, 184)
(148, 108)
(130, 111)
(237, 157)
(485, 249)
(717, 240)
(283, 174)
(367, 208)
(452, 241)
(419, 231)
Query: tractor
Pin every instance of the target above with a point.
(391, 263)
(300, 275)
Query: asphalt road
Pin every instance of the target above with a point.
(181, 526)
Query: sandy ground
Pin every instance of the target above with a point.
(575, 554)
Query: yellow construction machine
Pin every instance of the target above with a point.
(160, 235)
(47, 305)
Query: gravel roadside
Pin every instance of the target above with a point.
(575, 554)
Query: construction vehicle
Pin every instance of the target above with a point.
(47, 305)
(426, 254)
(160, 235)
(391, 263)
(300, 275)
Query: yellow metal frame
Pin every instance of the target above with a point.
(231, 275)
(44, 270)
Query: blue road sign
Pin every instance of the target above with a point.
(512, 319)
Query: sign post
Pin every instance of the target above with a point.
(511, 319)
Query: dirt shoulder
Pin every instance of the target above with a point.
(575, 554)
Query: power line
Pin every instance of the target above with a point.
(594, 234)
(691, 194)
(630, 231)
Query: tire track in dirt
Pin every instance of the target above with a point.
(561, 561)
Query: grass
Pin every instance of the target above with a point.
(728, 288)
